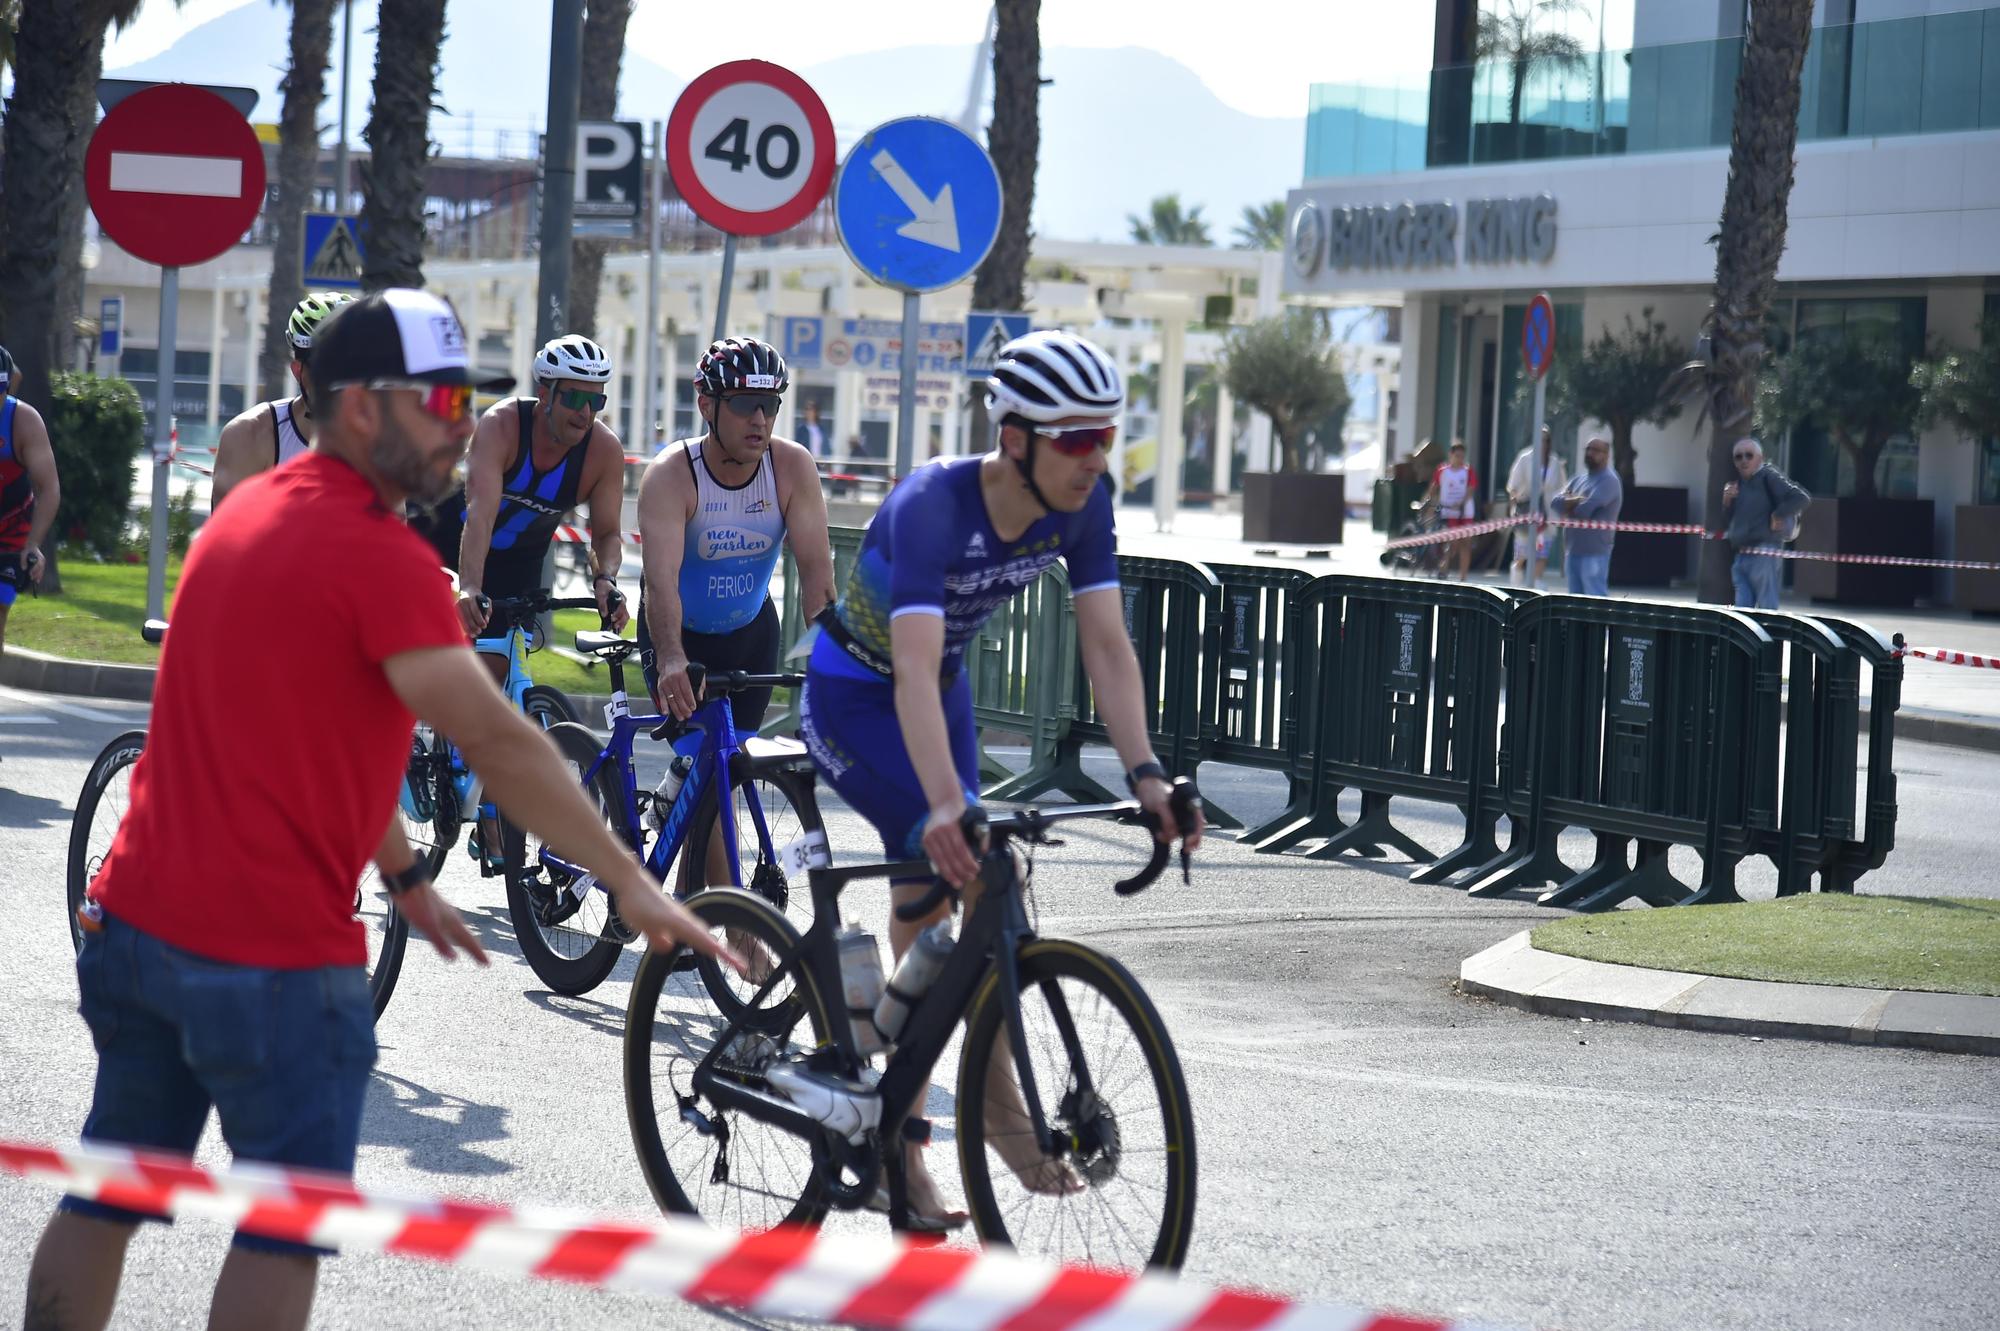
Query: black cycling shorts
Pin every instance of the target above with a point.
(752, 648)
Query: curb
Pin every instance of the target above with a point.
(23, 668)
(1520, 975)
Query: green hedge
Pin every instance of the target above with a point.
(97, 430)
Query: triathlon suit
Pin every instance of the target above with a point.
(931, 550)
(286, 441)
(532, 505)
(727, 619)
(1455, 487)
(17, 509)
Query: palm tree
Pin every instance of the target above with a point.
(304, 88)
(1749, 244)
(1166, 224)
(58, 52)
(603, 59)
(1513, 35)
(1014, 138)
(1262, 227)
(407, 36)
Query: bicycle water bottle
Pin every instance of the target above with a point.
(914, 976)
(861, 982)
(669, 788)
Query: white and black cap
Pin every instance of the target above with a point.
(398, 333)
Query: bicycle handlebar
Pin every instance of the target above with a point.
(1032, 826)
(537, 602)
(721, 684)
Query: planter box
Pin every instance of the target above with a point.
(1977, 537)
(1297, 507)
(1865, 527)
(1641, 560)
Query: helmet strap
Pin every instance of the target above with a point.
(1025, 464)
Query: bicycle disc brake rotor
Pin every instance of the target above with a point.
(1096, 1146)
(769, 882)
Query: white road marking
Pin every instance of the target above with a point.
(27, 720)
(66, 708)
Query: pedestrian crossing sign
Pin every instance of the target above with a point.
(333, 252)
(985, 333)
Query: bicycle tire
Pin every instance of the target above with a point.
(549, 706)
(1103, 1149)
(87, 850)
(777, 792)
(585, 955)
(667, 998)
(385, 962)
(426, 803)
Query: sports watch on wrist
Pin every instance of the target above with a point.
(1142, 771)
(406, 880)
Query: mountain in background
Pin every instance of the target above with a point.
(1119, 126)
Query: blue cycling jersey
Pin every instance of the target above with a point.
(932, 550)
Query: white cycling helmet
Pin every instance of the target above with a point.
(1051, 375)
(573, 357)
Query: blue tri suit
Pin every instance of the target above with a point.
(931, 550)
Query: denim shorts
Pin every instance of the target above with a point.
(283, 1055)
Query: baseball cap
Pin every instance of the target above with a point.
(398, 333)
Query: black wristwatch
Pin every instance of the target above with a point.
(408, 880)
(1141, 772)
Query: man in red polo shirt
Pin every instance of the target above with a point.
(227, 967)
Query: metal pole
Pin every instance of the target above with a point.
(340, 149)
(650, 338)
(1535, 463)
(559, 169)
(163, 442)
(906, 408)
(728, 280)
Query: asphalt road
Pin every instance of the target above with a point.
(1366, 1135)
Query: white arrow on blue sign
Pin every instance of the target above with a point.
(918, 204)
(985, 333)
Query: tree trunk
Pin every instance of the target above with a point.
(407, 37)
(76, 205)
(1515, 95)
(1763, 140)
(603, 58)
(304, 88)
(58, 43)
(1867, 456)
(1014, 139)
(1624, 458)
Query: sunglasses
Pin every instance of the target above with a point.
(1081, 441)
(1744, 457)
(747, 405)
(575, 399)
(447, 402)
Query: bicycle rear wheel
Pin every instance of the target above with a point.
(388, 938)
(564, 922)
(699, 1159)
(548, 706)
(1112, 1091)
(426, 802)
(100, 807)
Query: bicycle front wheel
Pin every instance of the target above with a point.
(547, 706)
(698, 1158)
(1120, 1191)
(100, 807)
(784, 800)
(388, 938)
(563, 921)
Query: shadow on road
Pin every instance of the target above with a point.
(589, 1012)
(19, 810)
(437, 1133)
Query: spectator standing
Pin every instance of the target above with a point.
(1596, 495)
(1455, 487)
(1531, 541)
(1764, 506)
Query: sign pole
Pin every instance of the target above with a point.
(163, 446)
(649, 344)
(728, 280)
(559, 170)
(906, 411)
(1535, 463)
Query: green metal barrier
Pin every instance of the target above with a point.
(1642, 722)
(1257, 707)
(1024, 668)
(1401, 680)
(792, 626)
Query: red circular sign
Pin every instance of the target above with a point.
(750, 147)
(175, 175)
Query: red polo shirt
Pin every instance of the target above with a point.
(277, 746)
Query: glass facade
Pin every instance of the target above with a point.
(1924, 75)
(1988, 482)
(1812, 457)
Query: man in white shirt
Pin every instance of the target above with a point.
(1531, 542)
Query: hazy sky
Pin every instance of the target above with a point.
(1262, 67)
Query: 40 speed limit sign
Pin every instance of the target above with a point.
(750, 147)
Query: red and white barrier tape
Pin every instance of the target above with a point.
(1945, 656)
(1680, 529)
(577, 537)
(779, 1273)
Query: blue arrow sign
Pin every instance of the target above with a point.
(918, 204)
(985, 334)
(334, 252)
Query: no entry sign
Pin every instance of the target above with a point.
(175, 175)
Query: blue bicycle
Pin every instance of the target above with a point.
(566, 924)
(440, 793)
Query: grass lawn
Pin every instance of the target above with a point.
(96, 618)
(1941, 944)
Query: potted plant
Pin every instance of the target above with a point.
(1625, 379)
(1857, 387)
(1961, 389)
(1284, 367)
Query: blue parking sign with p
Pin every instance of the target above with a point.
(803, 339)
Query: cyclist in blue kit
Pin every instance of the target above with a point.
(714, 514)
(887, 707)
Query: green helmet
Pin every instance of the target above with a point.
(309, 314)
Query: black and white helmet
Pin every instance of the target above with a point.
(1052, 375)
(740, 362)
(573, 357)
